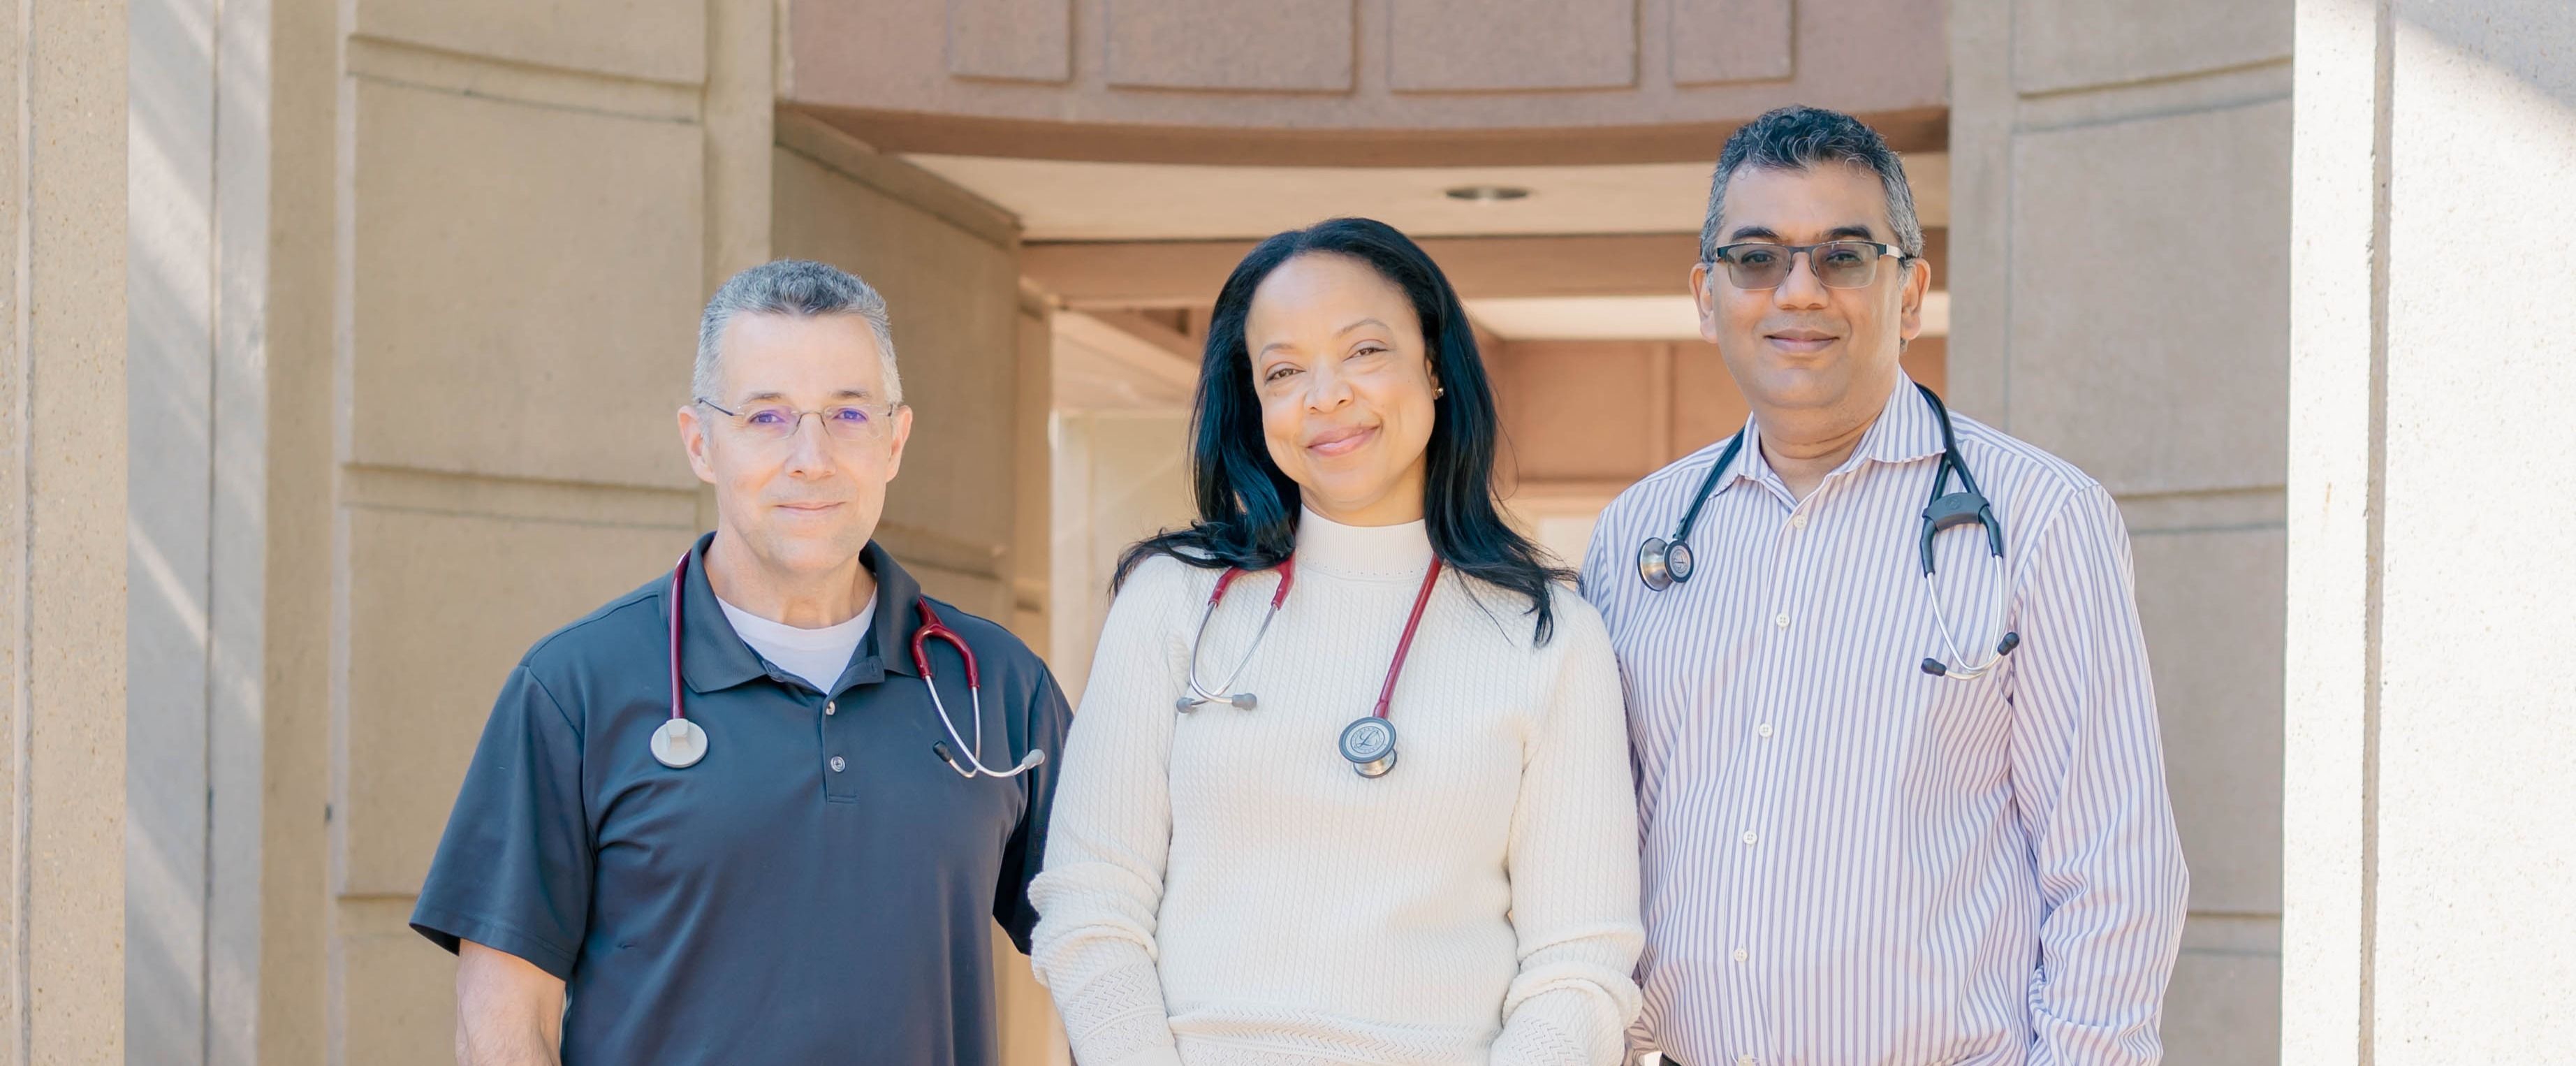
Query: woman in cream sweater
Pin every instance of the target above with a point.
(1274, 846)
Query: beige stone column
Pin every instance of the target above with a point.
(2119, 281)
(2429, 789)
(62, 532)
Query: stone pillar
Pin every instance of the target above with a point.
(63, 532)
(2120, 275)
(2429, 791)
(196, 287)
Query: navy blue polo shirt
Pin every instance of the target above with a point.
(820, 887)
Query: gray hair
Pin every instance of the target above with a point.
(1799, 137)
(798, 288)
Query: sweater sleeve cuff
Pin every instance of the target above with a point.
(1560, 1026)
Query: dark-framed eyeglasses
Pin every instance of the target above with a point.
(774, 422)
(1838, 264)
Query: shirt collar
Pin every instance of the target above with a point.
(1904, 431)
(714, 657)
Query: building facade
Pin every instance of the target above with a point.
(345, 338)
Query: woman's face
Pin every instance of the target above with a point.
(1346, 387)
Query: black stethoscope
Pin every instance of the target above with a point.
(1369, 742)
(1662, 564)
(679, 743)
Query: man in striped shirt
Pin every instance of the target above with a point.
(1858, 847)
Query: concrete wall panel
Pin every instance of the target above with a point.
(654, 40)
(2218, 693)
(2476, 861)
(1732, 40)
(1276, 45)
(2150, 276)
(440, 606)
(399, 989)
(2063, 44)
(2224, 1006)
(528, 282)
(1454, 45)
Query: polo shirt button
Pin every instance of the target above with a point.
(831, 708)
(839, 764)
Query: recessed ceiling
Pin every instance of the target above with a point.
(1076, 201)
(1627, 318)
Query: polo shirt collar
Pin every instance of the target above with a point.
(713, 657)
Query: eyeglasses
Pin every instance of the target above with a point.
(1838, 264)
(774, 422)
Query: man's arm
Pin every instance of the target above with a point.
(508, 1012)
(2089, 787)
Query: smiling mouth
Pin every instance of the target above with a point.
(808, 508)
(1801, 340)
(1342, 442)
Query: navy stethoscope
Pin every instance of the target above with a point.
(1664, 563)
(1368, 743)
(679, 743)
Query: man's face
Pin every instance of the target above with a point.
(805, 499)
(1801, 344)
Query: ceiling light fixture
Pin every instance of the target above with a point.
(1487, 194)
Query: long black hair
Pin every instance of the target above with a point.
(1248, 506)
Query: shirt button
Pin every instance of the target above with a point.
(1781, 620)
(1798, 521)
(1748, 834)
(839, 764)
(1741, 955)
(1762, 730)
(831, 708)
(1744, 1060)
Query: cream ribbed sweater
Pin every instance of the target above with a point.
(1222, 890)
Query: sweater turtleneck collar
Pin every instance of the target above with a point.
(1397, 551)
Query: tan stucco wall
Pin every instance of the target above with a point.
(2119, 276)
(2430, 797)
(62, 533)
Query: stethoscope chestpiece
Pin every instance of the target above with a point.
(679, 744)
(1660, 563)
(1369, 744)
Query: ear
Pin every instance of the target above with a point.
(902, 435)
(1918, 281)
(693, 441)
(1704, 295)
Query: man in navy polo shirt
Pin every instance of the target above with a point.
(804, 865)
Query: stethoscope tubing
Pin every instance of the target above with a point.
(1662, 563)
(931, 628)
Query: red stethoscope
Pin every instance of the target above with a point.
(1369, 743)
(679, 743)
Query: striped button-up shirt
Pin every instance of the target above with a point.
(1847, 860)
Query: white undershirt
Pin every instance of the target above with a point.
(817, 655)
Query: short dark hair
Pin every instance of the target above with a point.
(1248, 506)
(1798, 137)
